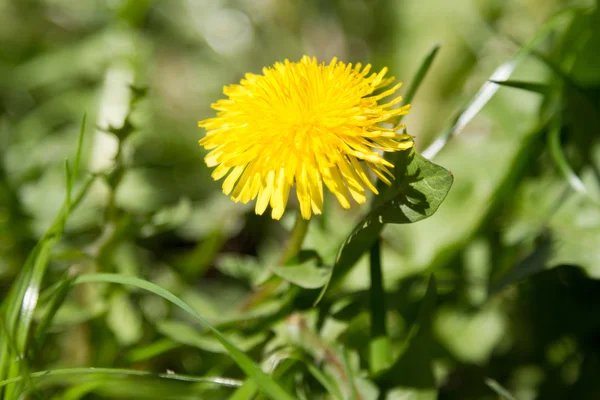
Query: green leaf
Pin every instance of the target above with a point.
(243, 267)
(470, 336)
(419, 189)
(124, 319)
(169, 217)
(146, 352)
(186, 334)
(263, 381)
(299, 355)
(138, 93)
(326, 381)
(307, 275)
(248, 390)
(350, 375)
(533, 263)
(575, 234)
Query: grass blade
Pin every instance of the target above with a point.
(246, 392)
(330, 386)
(485, 93)
(499, 389)
(68, 185)
(29, 302)
(540, 88)
(416, 81)
(489, 88)
(18, 361)
(415, 84)
(563, 165)
(262, 380)
(20, 304)
(122, 372)
(10, 314)
(79, 147)
(53, 304)
(155, 349)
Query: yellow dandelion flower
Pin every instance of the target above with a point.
(304, 124)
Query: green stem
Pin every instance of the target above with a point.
(291, 250)
(380, 349)
(296, 239)
(376, 292)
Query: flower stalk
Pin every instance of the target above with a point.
(296, 239)
(380, 346)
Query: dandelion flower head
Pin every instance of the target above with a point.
(304, 124)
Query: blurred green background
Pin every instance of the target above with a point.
(515, 248)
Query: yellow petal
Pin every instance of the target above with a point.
(232, 179)
(304, 124)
